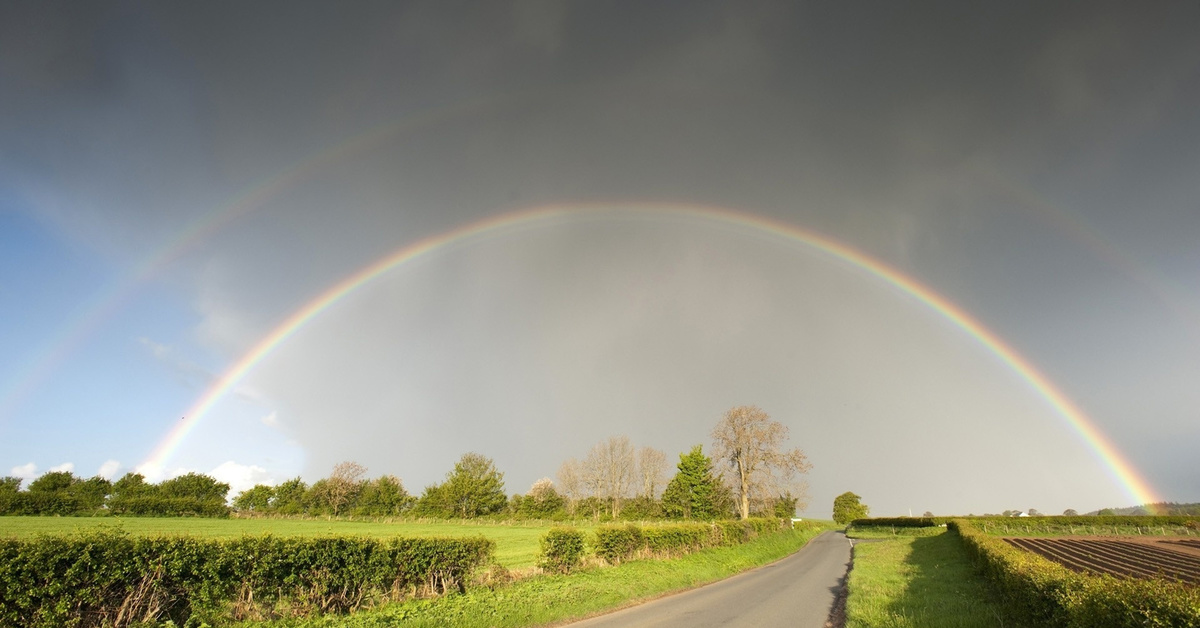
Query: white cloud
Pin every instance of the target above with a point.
(25, 471)
(155, 473)
(240, 477)
(69, 467)
(271, 420)
(109, 469)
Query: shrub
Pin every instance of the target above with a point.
(898, 522)
(617, 543)
(561, 550)
(110, 579)
(1046, 593)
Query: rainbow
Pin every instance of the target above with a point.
(1120, 469)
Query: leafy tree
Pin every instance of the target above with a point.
(132, 485)
(751, 443)
(255, 499)
(384, 497)
(927, 514)
(1033, 512)
(90, 493)
(472, 489)
(197, 486)
(785, 506)
(53, 482)
(1070, 512)
(9, 484)
(847, 507)
(1105, 512)
(696, 492)
(541, 502)
(290, 497)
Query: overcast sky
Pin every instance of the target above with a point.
(177, 179)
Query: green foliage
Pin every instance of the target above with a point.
(108, 578)
(290, 497)
(132, 485)
(472, 489)
(898, 522)
(785, 506)
(641, 508)
(561, 550)
(847, 507)
(384, 497)
(619, 543)
(1046, 593)
(157, 506)
(255, 499)
(696, 491)
(195, 486)
(9, 484)
(53, 482)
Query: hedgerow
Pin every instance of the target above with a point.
(1046, 593)
(111, 579)
(899, 522)
(562, 550)
(617, 543)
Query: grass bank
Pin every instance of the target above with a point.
(516, 544)
(918, 580)
(550, 598)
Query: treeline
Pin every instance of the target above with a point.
(613, 482)
(63, 493)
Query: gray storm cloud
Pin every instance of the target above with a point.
(916, 133)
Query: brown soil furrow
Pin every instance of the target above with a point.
(1139, 559)
(1174, 565)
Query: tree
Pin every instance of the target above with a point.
(785, 506)
(609, 471)
(927, 514)
(472, 489)
(257, 498)
(53, 482)
(847, 507)
(197, 486)
(132, 485)
(1033, 512)
(290, 497)
(384, 497)
(1070, 512)
(570, 478)
(696, 491)
(91, 492)
(651, 465)
(9, 484)
(541, 502)
(751, 443)
(343, 485)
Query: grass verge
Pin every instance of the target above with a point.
(551, 598)
(516, 544)
(890, 532)
(919, 582)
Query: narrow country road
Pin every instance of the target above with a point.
(797, 591)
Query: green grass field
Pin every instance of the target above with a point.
(516, 544)
(918, 581)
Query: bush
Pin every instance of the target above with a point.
(617, 543)
(1046, 593)
(561, 550)
(111, 579)
(155, 506)
(898, 522)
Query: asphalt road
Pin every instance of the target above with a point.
(797, 591)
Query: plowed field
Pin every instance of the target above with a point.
(1161, 558)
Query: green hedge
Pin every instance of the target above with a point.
(1046, 593)
(899, 522)
(562, 550)
(112, 579)
(27, 503)
(617, 543)
(167, 507)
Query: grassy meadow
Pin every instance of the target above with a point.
(516, 543)
(917, 578)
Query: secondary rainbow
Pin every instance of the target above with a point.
(1121, 470)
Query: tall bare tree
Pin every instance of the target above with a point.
(651, 469)
(343, 482)
(751, 443)
(609, 471)
(570, 478)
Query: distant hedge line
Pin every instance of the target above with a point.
(1143, 521)
(29, 503)
(1046, 593)
(112, 579)
(617, 543)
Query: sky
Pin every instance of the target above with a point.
(607, 219)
